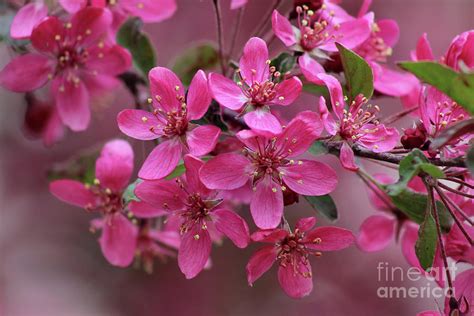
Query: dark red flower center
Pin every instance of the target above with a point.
(70, 57)
(314, 27)
(107, 201)
(293, 252)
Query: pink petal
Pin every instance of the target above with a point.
(288, 91)
(98, 84)
(267, 204)
(111, 61)
(199, 97)
(382, 140)
(296, 138)
(347, 157)
(283, 29)
(144, 210)
(306, 223)
(309, 177)
(408, 241)
(194, 251)
(467, 53)
(150, 11)
(193, 165)
(327, 118)
(253, 64)
(378, 198)
(72, 192)
(311, 69)
(163, 195)
(393, 83)
(26, 73)
(202, 139)
(262, 120)
(72, 6)
(118, 240)
(335, 91)
(464, 287)
(225, 171)
(260, 262)
(331, 238)
(423, 49)
(233, 226)
(26, 19)
(350, 34)
(376, 232)
(91, 24)
(429, 313)
(139, 124)
(114, 167)
(313, 120)
(166, 89)
(226, 92)
(293, 283)
(170, 238)
(389, 31)
(54, 130)
(162, 160)
(72, 100)
(250, 138)
(270, 235)
(236, 4)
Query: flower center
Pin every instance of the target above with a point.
(292, 252)
(107, 201)
(314, 28)
(357, 117)
(69, 57)
(375, 48)
(447, 113)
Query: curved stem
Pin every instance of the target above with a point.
(220, 39)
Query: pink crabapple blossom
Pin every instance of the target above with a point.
(170, 121)
(292, 252)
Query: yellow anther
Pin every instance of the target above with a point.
(281, 98)
(140, 5)
(96, 181)
(144, 119)
(196, 237)
(57, 37)
(88, 32)
(274, 190)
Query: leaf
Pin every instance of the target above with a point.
(318, 148)
(203, 56)
(452, 133)
(323, 204)
(284, 62)
(178, 171)
(470, 159)
(316, 90)
(425, 247)
(357, 72)
(129, 193)
(130, 36)
(458, 86)
(81, 169)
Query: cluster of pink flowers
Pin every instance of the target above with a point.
(186, 193)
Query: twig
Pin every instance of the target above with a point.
(236, 30)
(392, 118)
(267, 17)
(220, 39)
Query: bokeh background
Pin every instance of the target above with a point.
(51, 265)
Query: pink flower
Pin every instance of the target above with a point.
(199, 212)
(113, 170)
(292, 251)
(355, 125)
(268, 163)
(457, 246)
(464, 294)
(170, 121)
(72, 55)
(259, 87)
(27, 18)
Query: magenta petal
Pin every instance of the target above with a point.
(236, 4)
(26, 73)
(72, 6)
(381, 140)
(26, 19)
(347, 157)
(150, 11)
(72, 100)
(114, 167)
(162, 194)
(199, 97)
(144, 210)
(162, 160)
(328, 120)
(193, 165)
(293, 282)
(350, 34)
(225, 171)
(423, 49)
(91, 24)
(306, 223)
(118, 240)
(408, 240)
(311, 69)
(287, 91)
(310, 177)
(260, 262)
(269, 235)
(393, 83)
(283, 29)
(110, 61)
(376, 232)
(226, 92)
(297, 137)
(335, 91)
(331, 238)
(202, 139)
(263, 121)
(166, 89)
(464, 287)
(253, 64)
(267, 204)
(139, 124)
(389, 31)
(72, 192)
(232, 225)
(194, 251)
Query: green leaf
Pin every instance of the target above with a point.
(358, 73)
(458, 86)
(203, 56)
(129, 193)
(318, 148)
(179, 170)
(470, 159)
(323, 204)
(284, 62)
(130, 36)
(425, 247)
(316, 90)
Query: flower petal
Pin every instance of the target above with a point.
(335, 91)
(287, 91)
(393, 83)
(231, 225)
(193, 165)
(199, 97)
(267, 204)
(26, 73)
(150, 11)
(423, 49)
(202, 139)
(310, 177)
(330, 238)
(26, 19)
(45, 35)
(376, 232)
(118, 240)
(114, 167)
(72, 192)
(72, 6)
(306, 223)
(263, 121)
(327, 118)
(299, 135)
(389, 31)
(194, 251)
(166, 89)
(110, 61)
(144, 210)
(381, 140)
(260, 262)
(139, 124)
(311, 69)
(293, 282)
(164, 195)
(408, 240)
(283, 29)
(91, 24)
(226, 92)
(236, 4)
(350, 34)
(72, 100)
(226, 171)
(253, 64)
(162, 160)
(347, 157)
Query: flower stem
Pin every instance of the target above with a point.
(220, 39)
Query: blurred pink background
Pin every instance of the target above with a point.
(51, 265)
